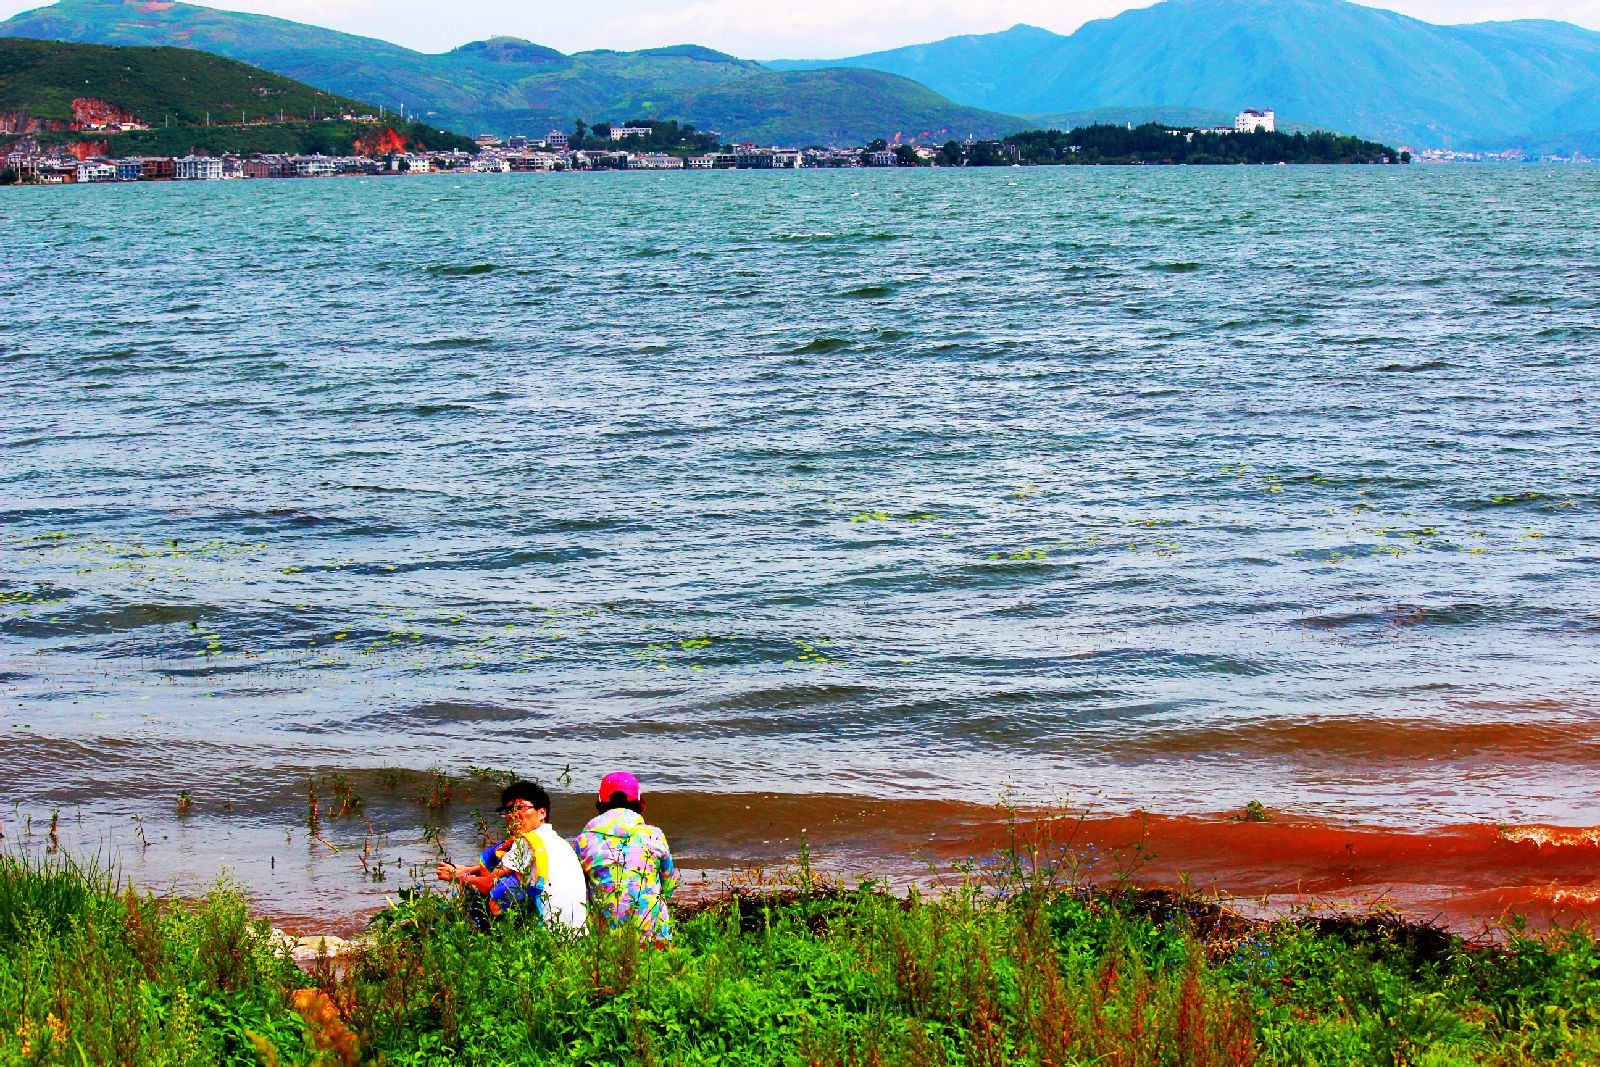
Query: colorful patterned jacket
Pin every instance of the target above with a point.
(630, 871)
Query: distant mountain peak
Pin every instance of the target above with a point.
(503, 49)
(693, 51)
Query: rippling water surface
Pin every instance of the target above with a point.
(1160, 488)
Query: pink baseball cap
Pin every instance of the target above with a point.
(619, 782)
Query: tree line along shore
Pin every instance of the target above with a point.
(1016, 962)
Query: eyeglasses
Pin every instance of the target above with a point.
(524, 806)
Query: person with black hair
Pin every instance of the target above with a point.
(629, 865)
(512, 873)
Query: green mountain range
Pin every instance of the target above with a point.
(1327, 62)
(504, 85)
(193, 101)
(1320, 63)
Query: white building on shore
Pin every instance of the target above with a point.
(197, 169)
(655, 161)
(96, 171)
(1250, 120)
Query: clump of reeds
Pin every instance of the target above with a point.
(91, 972)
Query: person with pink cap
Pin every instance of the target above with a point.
(627, 861)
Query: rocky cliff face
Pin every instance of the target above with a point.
(87, 113)
(15, 122)
(90, 113)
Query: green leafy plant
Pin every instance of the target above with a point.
(1254, 811)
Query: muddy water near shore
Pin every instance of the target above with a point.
(900, 489)
(353, 863)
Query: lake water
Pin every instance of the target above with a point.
(1160, 489)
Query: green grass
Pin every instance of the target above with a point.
(93, 973)
(1013, 967)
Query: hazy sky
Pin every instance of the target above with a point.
(760, 29)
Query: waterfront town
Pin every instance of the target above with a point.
(25, 160)
(622, 148)
(32, 163)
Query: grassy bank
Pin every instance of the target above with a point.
(1015, 967)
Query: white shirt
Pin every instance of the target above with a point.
(566, 892)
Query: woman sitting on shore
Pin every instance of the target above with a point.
(629, 865)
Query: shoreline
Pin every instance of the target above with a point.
(1464, 876)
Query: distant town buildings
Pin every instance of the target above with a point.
(1250, 120)
(655, 161)
(27, 161)
(269, 167)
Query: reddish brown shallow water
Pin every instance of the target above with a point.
(1464, 875)
(1467, 876)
